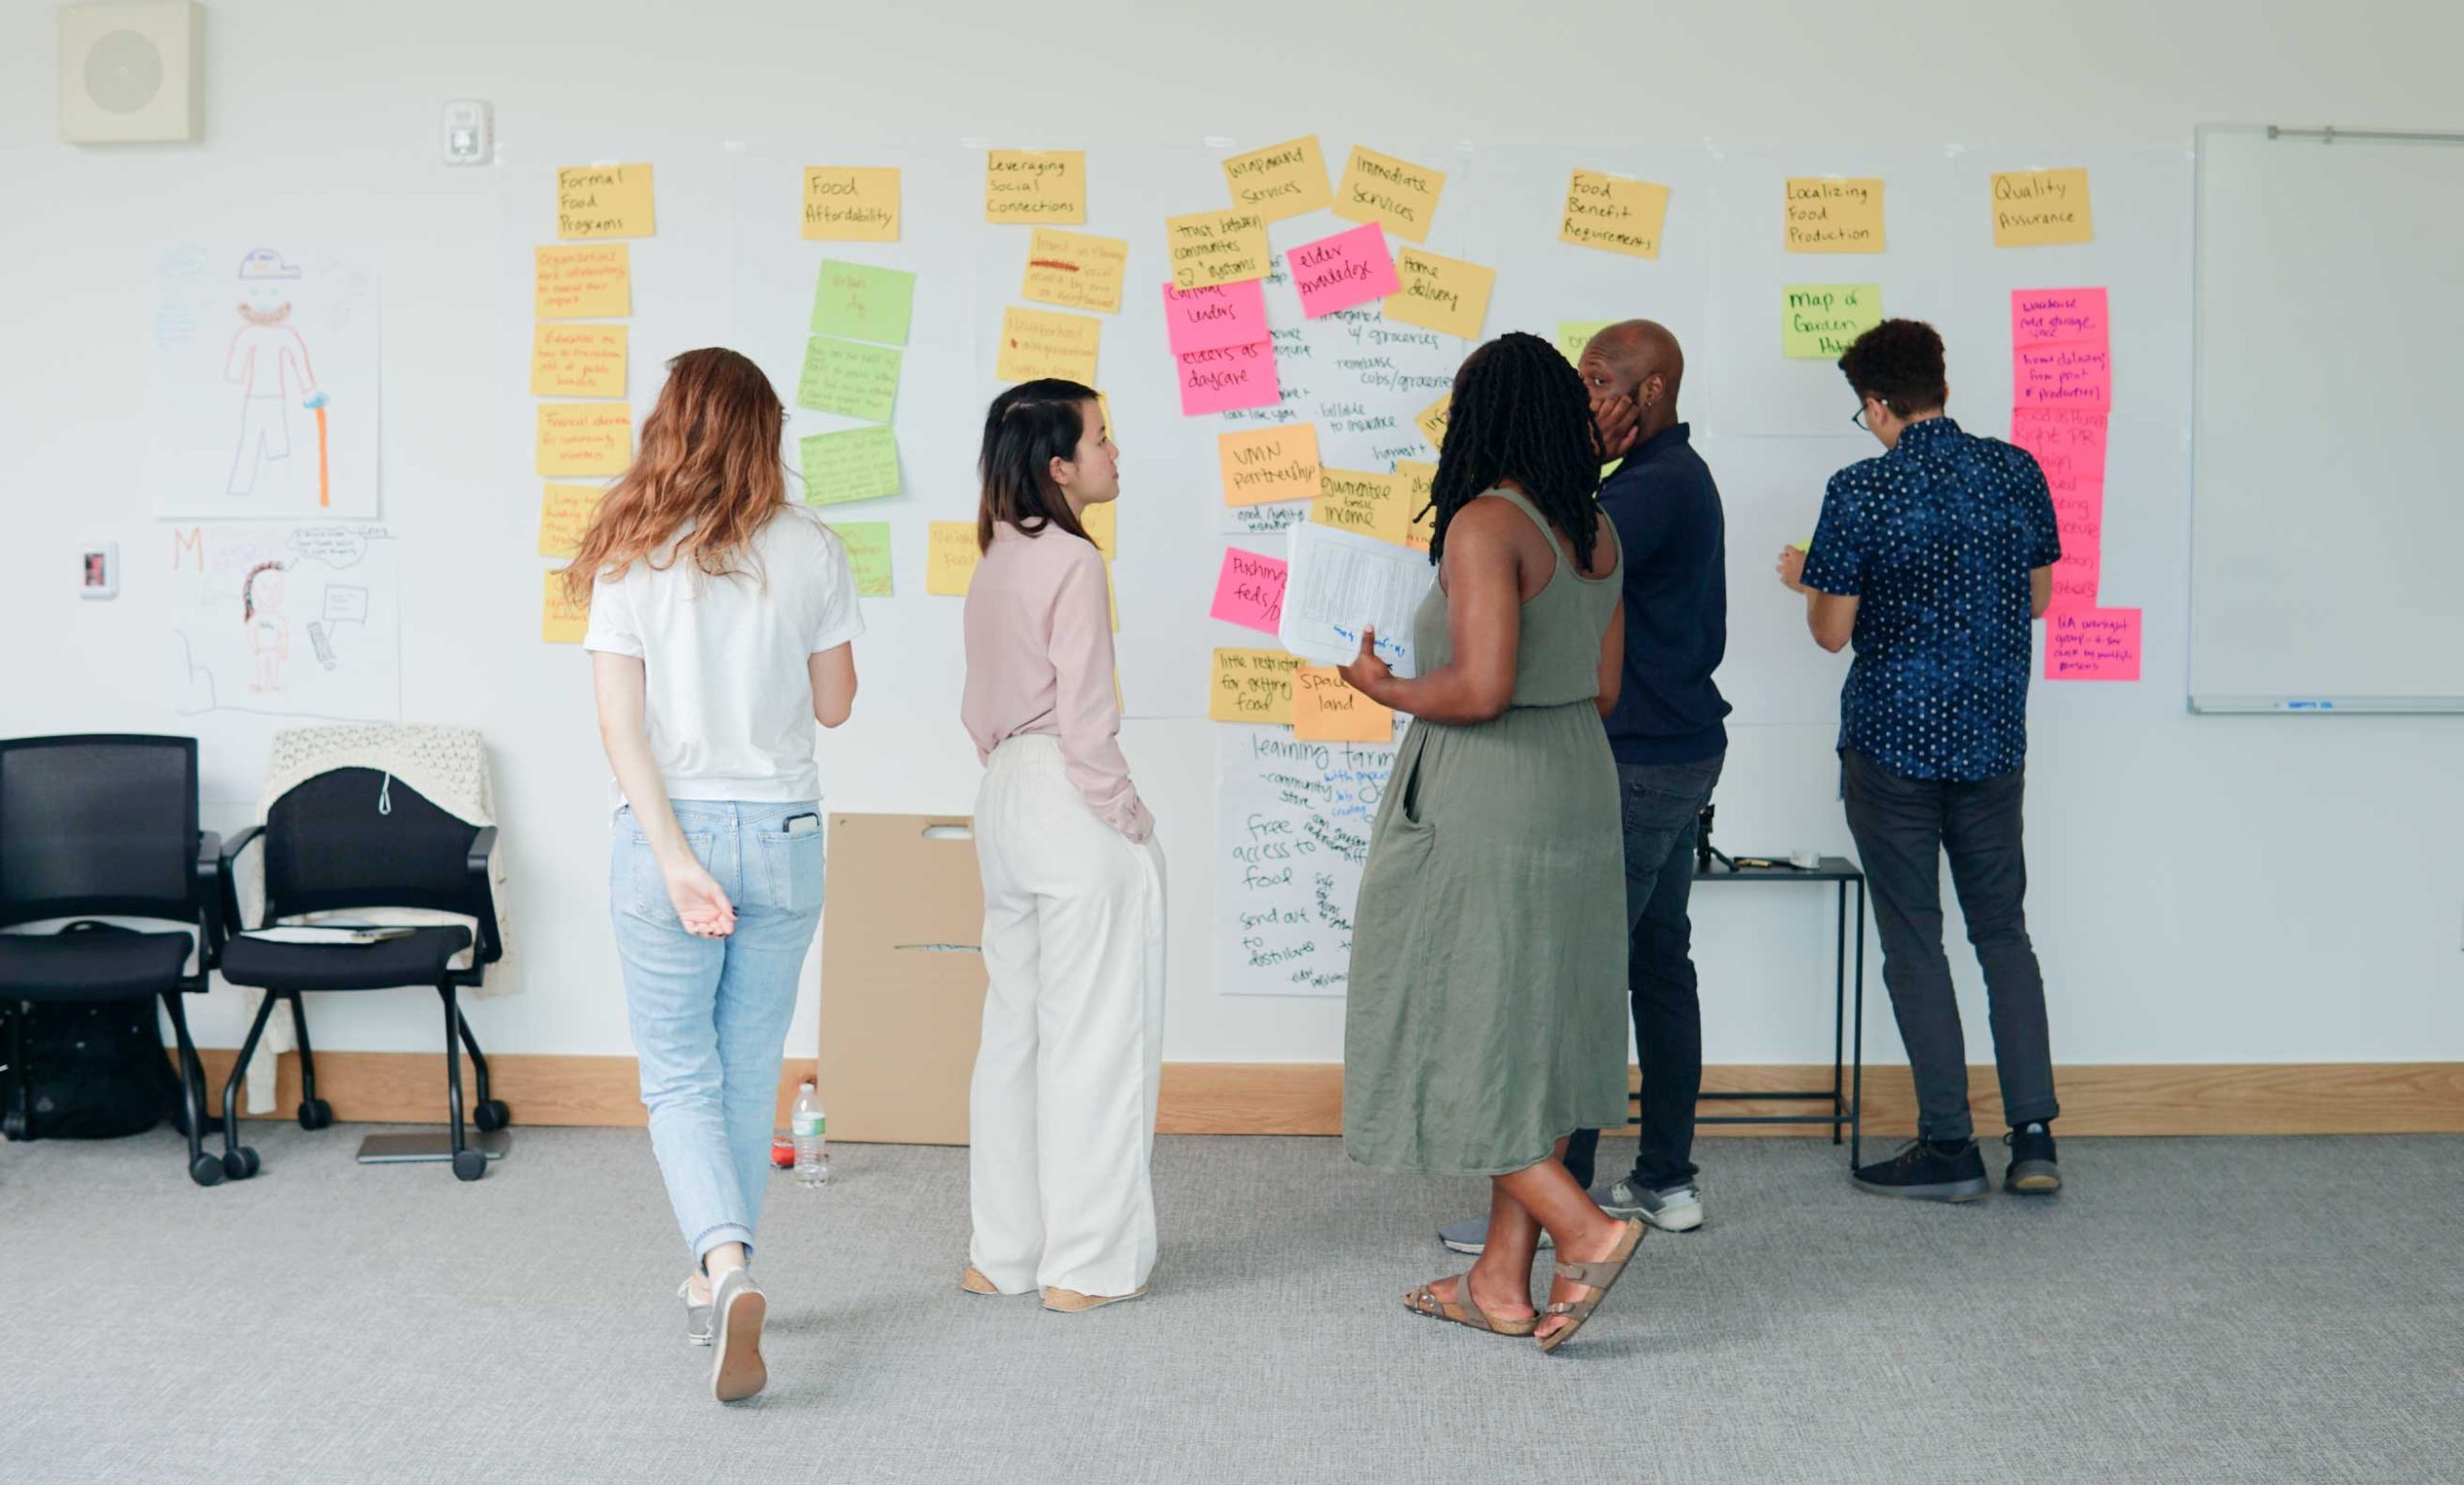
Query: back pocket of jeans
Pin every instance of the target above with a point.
(790, 876)
(645, 881)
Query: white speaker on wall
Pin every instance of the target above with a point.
(129, 72)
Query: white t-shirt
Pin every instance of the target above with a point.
(729, 697)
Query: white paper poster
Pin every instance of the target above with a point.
(1291, 837)
(298, 621)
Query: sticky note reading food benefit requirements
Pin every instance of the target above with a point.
(2042, 208)
(1036, 186)
(1445, 295)
(564, 515)
(603, 200)
(867, 554)
(1324, 708)
(1382, 189)
(850, 378)
(950, 556)
(561, 620)
(583, 282)
(569, 359)
(1266, 465)
(1828, 213)
(585, 438)
(859, 302)
(1251, 686)
(845, 203)
(1281, 180)
(1613, 214)
(1046, 343)
(1076, 269)
(859, 464)
(1216, 248)
(1822, 321)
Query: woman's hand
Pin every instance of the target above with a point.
(700, 902)
(1367, 672)
(1792, 569)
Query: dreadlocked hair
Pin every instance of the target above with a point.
(1520, 412)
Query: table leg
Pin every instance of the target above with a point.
(1856, 1093)
(1838, 1006)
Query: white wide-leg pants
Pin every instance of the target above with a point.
(1061, 1111)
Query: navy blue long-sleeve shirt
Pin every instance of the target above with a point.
(1667, 512)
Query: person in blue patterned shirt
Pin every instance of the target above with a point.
(1931, 560)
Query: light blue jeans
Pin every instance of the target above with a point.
(709, 1015)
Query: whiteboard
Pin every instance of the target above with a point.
(2327, 506)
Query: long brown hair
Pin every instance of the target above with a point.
(1029, 426)
(710, 458)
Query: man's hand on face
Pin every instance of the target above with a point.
(1620, 421)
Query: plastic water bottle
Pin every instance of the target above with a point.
(811, 1129)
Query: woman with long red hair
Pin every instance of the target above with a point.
(721, 617)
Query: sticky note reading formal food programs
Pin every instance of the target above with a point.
(1445, 295)
(1382, 189)
(1830, 214)
(2042, 208)
(2046, 317)
(1222, 314)
(1613, 214)
(1229, 377)
(1281, 180)
(1037, 186)
(569, 359)
(1046, 343)
(1339, 272)
(1248, 591)
(603, 200)
(950, 556)
(1216, 248)
(868, 555)
(1252, 685)
(564, 515)
(1326, 709)
(851, 378)
(561, 620)
(583, 282)
(1261, 466)
(859, 302)
(1573, 334)
(1418, 481)
(847, 203)
(1431, 419)
(2092, 644)
(1823, 320)
(1076, 269)
(859, 464)
(1102, 526)
(585, 438)
(1364, 502)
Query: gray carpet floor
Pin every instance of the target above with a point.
(2226, 1310)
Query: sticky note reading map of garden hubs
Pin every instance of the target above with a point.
(861, 302)
(1830, 214)
(1445, 295)
(1261, 466)
(850, 204)
(950, 556)
(1612, 213)
(1216, 248)
(1326, 709)
(561, 620)
(583, 282)
(1045, 342)
(1076, 269)
(1043, 186)
(868, 555)
(1382, 189)
(850, 378)
(564, 515)
(603, 200)
(585, 438)
(1251, 686)
(2042, 208)
(1282, 180)
(859, 464)
(1823, 320)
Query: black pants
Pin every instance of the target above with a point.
(1661, 804)
(1903, 827)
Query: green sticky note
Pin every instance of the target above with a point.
(863, 302)
(1820, 322)
(860, 464)
(849, 378)
(868, 553)
(1573, 335)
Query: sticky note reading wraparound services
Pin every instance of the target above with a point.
(1830, 214)
(1282, 180)
(1614, 214)
(1445, 295)
(1037, 186)
(845, 203)
(583, 282)
(2042, 208)
(603, 200)
(1382, 189)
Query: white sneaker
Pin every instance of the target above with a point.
(696, 1315)
(736, 1372)
(1675, 1208)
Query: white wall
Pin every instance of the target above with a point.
(2206, 889)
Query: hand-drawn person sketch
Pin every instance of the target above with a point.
(269, 627)
(270, 362)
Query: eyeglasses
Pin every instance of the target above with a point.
(1859, 417)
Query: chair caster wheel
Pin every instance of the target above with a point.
(206, 1170)
(315, 1113)
(240, 1163)
(13, 1125)
(470, 1166)
(492, 1115)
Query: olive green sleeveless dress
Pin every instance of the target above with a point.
(1486, 1018)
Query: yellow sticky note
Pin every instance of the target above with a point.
(1324, 708)
(1574, 337)
(1043, 342)
(1216, 248)
(1614, 214)
(1832, 214)
(1035, 185)
(603, 200)
(583, 282)
(1446, 295)
(1102, 524)
(1363, 501)
(1112, 600)
(1418, 480)
(585, 438)
(572, 360)
(1380, 188)
(2042, 208)
(1261, 466)
(564, 515)
(846, 203)
(1252, 685)
(1076, 269)
(1431, 419)
(950, 556)
(1279, 181)
(1820, 321)
(1112, 430)
(561, 621)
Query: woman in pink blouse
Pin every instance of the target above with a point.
(1062, 1108)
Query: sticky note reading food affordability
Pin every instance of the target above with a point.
(1252, 685)
(1417, 481)
(1046, 343)
(1823, 320)
(1040, 186)
(1830, 214)
(1229, 377)
(846, 203)
(1248, 591)
(868, 555)
(583, 282)
(1076, 269)
(1279, 181)
(1102, 526)
(2092, 644)
(603, 200)
(1263, 466)
(859, 464)
(1339, 272)
(1445, 295)
(564, 515)
(2045, 317)
(1613, 214)
(572, 360)
(1360, 501)
(1382, 189)
(850, 378)
(950, 556)
(1431, 419)
(859, 302)
(1222, 314)
(1216, 248)
(561, 620)
(2042, 208)
(1326, 709)
(1575, 335)
(585, 438)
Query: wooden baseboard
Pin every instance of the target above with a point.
(1306, 1099)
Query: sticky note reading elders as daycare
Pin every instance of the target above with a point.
(1047, 342)
(1382, 189)
(868, 555)
(859, 302)
(1216, 248)
(583, 282)
(1042, 187)
(603, 200)
(561, 620)
(571, 359)
(585, 438)
(1339, 272)
(859, 464)
(1445, 295)
(850, 378)
(1822, 321)
(850, 204)
(1076, 269)
(1279, 181)
(1248, 591)
(1219, 314)
(1265, 466)
(1251, 686)
(1326, 709)
(564, 515)
(2042, 208)
(1828, 213)
(950, 556)
(1613, 214)
(1229, 377)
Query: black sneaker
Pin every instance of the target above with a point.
(2032, 1171)
(1922, 1172)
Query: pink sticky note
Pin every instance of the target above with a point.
(1229, 377)
(2092, 644)
(1250, 591)
(2042, 317)
(2072, 373)
(1337, 272)
(2075, 580)
(1215, 316)
(2068, 445)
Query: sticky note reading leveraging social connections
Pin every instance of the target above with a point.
(845, 203)
(1228, 377)
(2042, 208)
(585, 438)
(1363, 501)
(1046, 343)
(1326, 709)
(1036, 186)
(1830, 214)
(858, 464)
(1213, 316)
(1279, 181)
(583, 282)
(561, 620)
(859, 302)
(564, 515)
(1382, 189)
(1076, 269)
(1216, 248)
(1339, 272)
(1445, 295)
(2092, 644)
(1248, 590)
(1251, 686)
(603, 200)
(850, 378)
(1261, 466)
(1822, 321)
(867, 554)
(1613, 214)
(1418, 480)
(950, 556)
(569, 359)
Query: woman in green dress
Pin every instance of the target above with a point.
(1486, 1019)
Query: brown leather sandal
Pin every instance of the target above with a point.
(1599, 1276)
(1464, 1309)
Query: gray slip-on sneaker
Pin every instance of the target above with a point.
(696, 1315)
(1675, 1208)
(736, 1372)
(1472, 1236)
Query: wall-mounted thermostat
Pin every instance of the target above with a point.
(470, 138)
(98, 569)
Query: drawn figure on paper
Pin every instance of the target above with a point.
(268, 631)
(270, 362)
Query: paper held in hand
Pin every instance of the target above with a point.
(1339, 581)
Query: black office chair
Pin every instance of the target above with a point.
(354, 838)
(106, 825)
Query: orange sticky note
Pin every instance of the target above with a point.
(1046, 343)
(1251, 686)
(1261, 466)
(561, 621)
(1380, 188)
(950, 556)
(583, 282)
(1076, 269)
(1216, 248)
(574, 360)
(1359, 500)
(603, 200)
(1431, 419)
(1441, 293)
(1326, 709)
(1417, 481)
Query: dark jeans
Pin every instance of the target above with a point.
(1903, 827)
(1662, 802)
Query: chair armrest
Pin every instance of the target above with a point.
(211, 894)
(232, 850)
(483, 897)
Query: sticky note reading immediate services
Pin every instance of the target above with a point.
(1397, 192)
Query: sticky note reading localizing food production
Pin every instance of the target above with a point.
(1251, 686)
(1076, 269)
(846, 203)
(1382, 189)
(1261, 466)
(1326, 709)
(1445, 295)
(2042, 208)
(1339, 272)
(1823, 320)
(603, 200)
(858, 464)
(572, 359)
(561, 620)
(867, 554)
(1248, 590)
(564, 515)
(1279, 181)
(859, 302)
(950, 556)
(1046, 343)
(585, 438)
(851, 378)
(1037, 186)
(591, 282)
(1614, 214)
(1828, 213)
